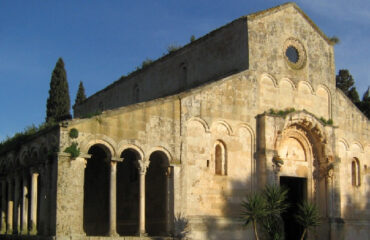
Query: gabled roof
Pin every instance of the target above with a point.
(212, 33)
(295, 6)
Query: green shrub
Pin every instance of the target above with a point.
(281, 113)
(275, 204)
(73, 150)
(254, 210)
(265, 208)
(308, 216)
(192, 38)
(146, 62)
(173, 48)
(15, 142)
(326, 122)
(73, 133)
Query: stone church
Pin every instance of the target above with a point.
(171, 151)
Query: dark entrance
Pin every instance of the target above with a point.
(296, 195)
(96, 192)
(128, 194)
(156, 194)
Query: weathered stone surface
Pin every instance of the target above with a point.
(208, 146)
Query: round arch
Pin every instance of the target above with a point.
(307, 84)
(290, 82)
(268, 77)
(128, 189)
(92, 140)
(96, 190)
(158, 192)
(224, 124)
(163, 150)
(201, 121)
(302, 147)
(125, 146)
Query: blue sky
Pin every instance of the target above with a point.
(100, 41)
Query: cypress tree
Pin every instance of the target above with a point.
(345, 82)
(80, 97)
(365, 103)
(58, 103)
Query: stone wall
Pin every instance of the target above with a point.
(29, 171)
(218, 141)
(218, 54)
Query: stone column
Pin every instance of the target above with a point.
(24, 217)
(169, 200)
(113, 199)
(3, 207)
(9, 229)
(16, 209)
(33, 217)
(47, 198)
(142, 171)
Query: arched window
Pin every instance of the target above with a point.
(356, 177)
(220, 159)
(136, 93)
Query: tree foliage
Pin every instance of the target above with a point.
(192, 38)
(308, 216)
(335, 40)
(254, 210)
(275, 204)
(58, 102)
(173, 48)
(80, 97)
(265, 208)
(364, 105)
(345, 82)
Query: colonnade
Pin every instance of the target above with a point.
(142, 167)
(19, 207)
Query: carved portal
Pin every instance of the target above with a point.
(303, 148)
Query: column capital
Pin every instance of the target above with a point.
(142, 166)
(34, 170)
(168, 171)
(85, 155)
(116, 159)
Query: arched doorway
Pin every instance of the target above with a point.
(157, 194)
(301, 147)
(128, 193)
(96, 191)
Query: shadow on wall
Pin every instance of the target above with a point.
(232, 226)
(351, 223)
(354, 220)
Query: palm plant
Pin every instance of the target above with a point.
(275, 204)
(254, 210)
(307, 216)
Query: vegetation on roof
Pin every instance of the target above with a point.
(281, 113)
(173, 48)
(19, 138)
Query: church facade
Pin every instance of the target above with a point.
(174, 148)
